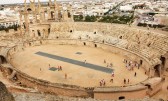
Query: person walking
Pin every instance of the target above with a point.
(65, 76)
(135, 74)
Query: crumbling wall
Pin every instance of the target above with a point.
(4, 94)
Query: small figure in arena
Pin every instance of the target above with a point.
(65, 76)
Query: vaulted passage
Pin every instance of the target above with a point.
(2, 60)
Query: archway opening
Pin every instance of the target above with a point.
(2, 60)
(141, 62)
(52, 14)
(29, 9)
(48, 30)
(157, 70)
(29, 44)
(84, 44)
(70, 31)
(163, 59)
(121, 97)
(38, 32)
(96, 45)
(120, 37)
(69, 14)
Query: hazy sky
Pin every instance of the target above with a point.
(20, 1)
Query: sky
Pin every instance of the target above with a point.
(20, 1)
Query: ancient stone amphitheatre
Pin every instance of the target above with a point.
(88, 54)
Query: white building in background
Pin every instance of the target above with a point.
(126, 8)
(9, 17)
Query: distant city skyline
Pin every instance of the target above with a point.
(22, 1)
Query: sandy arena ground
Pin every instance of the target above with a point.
(30, 63)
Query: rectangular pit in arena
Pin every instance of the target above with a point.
(76, 62)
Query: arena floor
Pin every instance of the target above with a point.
(35, 62)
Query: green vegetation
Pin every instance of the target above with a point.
(90, 18)
(78, 18)
(116, 19)
(107, 19)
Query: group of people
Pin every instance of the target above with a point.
(126, 81)
(108, 64)
(102, 82)
(59, 68)
(131, 64)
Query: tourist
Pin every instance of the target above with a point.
(61, 68)
(124, 81)
(100, 83)
(107, 65)
(104, 61)
(85, 61)
(65, 76)
(111, 80)
(49, 66)
(128, 81)
(104, 83)
(40, 69)
(111, 65)
(112, 74)
(135, 74)
(58, 68)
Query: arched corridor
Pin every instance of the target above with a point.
(2, 60)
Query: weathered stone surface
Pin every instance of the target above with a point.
(4, 94)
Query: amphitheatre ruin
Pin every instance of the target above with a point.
(87, 52)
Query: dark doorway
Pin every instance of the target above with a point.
(94, 32)
(141, 62)
(2, 60)
(38, 32)
(52, 14)
(70, 31)
(48, 30)
(163, 60)
(69, 15)
(120, 37)
(96, 45)
(121, 97)
(84, 44)
(157, 70)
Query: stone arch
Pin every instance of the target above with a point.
(2, 60)
(69, 14)
(52, 14)
(163, 60)
(38, 32)
(84, 43)
(30, 44)
(121, 98)
(48, 30)
(96, 45)
(29, 9)
(141, 62)
(120, 37)
(157, 69)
